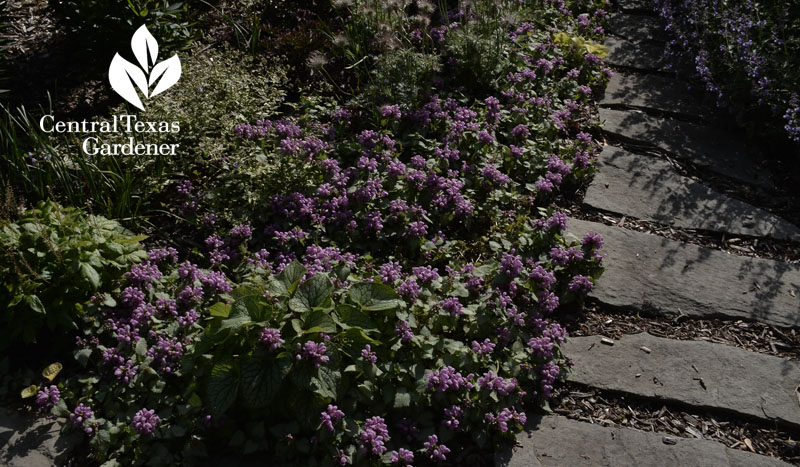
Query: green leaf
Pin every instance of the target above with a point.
(239, 317)
(321, 320)
(222, 388)
(35, 304)
(313, 293)
(352, 317)
(261, 381)
(82, 356)
(195, 401)
(402, 398)
(291, 275)
(141, 348)
(326, 382)
(251, 305)
(221, 310)
(90, 274)
(374, 296)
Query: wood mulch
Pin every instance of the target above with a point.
(608, 409)
(752, 336)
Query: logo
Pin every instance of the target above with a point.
(123, 75)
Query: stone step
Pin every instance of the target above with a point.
(649, 91)
(645, 272)
(636, 27)
(700, 374)
(636, 6)
(28, 441)
(638, 55)
(719, 151)
(554, 441)
(649, 188)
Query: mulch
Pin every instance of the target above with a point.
(608, 409)
(752, 336)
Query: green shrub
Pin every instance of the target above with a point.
(103, 25)
(52, 260)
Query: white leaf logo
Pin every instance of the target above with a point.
(123, 75)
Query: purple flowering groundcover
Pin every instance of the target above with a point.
(368, 276)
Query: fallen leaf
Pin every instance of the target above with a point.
(749, 444)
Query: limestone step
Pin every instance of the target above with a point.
(645, 272)
(649, 188)
(555, 441)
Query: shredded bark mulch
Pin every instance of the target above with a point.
(605, 408)
(752, 336)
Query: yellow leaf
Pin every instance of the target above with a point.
(52, 371)
(30, 391)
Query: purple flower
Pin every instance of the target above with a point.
(331, 416)
(48, 397)
(447, 378)
(368, 355)
(505, 416)
(520, 131)
(390, 272)
(313, 352)
(416, 229)
(409, 288)
(80, 418)
(485, 137)
(242, 232)
(401, 457)
(435, 451)
(145, 422)
(511, 265)
(501, 385)
(271, 337)
(452, 306)
(484, 348)
(373, 435)
(453, 416)
(425, 273)
(580, 284)
(403, 329)
(392, 111)
(542, 346)
(592, 240)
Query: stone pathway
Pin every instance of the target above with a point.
(656, 133)
(555, 441)
(29, 441)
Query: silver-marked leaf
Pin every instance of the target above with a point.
(122, 75)
(169, 71)
(142, 42)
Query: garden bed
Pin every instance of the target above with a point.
(353, 259)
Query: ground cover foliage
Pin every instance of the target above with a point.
(745, 55)
(371, 275)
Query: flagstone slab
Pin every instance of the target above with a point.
(636, 6)
(645, 272)
(28, 441)
(636, 27)
(650, 91)
(719, 151)
(701, 374)
(638, 55)
(649, 188)
(555, 441)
